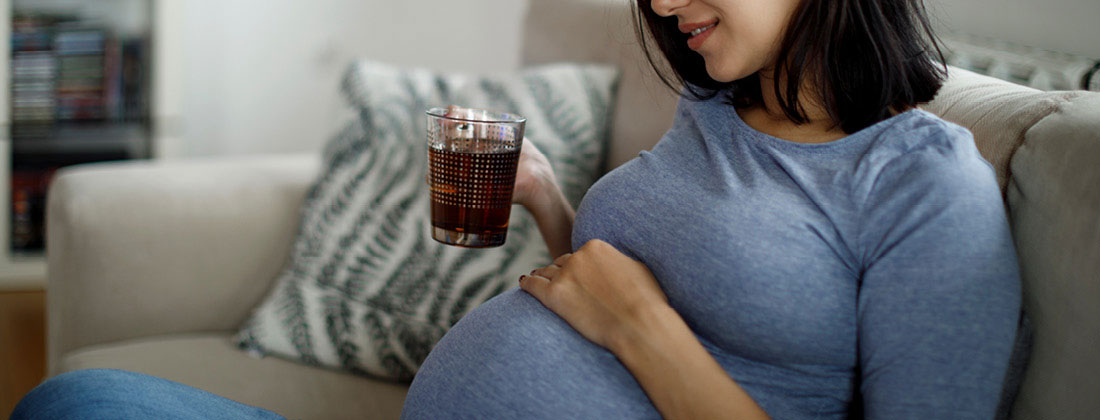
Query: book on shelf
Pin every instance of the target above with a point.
(79, 84)
(71, 72)
(33, 77)
(79, 93)
(28, 202)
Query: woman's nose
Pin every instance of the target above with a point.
(666, 8)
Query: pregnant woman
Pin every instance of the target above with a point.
(803, 243)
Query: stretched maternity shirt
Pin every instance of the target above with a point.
(875, 274)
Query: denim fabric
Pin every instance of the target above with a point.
(874, 274)
(117, 394)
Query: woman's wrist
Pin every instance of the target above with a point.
(546, 199)
(648, 328)
(554, 216)
(677, 373)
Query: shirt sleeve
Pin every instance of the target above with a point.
(939, 296)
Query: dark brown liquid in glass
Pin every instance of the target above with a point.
(472, 192)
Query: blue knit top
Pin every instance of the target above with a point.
(878, 267)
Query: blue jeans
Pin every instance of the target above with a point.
(118, 394)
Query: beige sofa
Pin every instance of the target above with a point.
(153, 265)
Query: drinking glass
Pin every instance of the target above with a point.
(472, 156)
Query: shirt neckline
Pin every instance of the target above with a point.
(842, 143)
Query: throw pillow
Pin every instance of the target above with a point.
(365, 288)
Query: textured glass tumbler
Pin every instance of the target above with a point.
(472, 159)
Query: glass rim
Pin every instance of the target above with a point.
(497, 117)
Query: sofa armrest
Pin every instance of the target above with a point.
(155, 247)
(1055, 206)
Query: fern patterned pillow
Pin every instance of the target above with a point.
(365, 288)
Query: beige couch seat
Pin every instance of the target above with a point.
(213, 363)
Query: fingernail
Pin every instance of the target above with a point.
(521, 278)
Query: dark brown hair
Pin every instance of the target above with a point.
(866, 58)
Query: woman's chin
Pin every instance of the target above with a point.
(724, 74)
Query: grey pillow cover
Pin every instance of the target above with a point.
(365, 288)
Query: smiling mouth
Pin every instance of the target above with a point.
(700, 30)
(696, 37)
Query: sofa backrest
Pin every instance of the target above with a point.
(1045, 147)
(999, 113)
(601, 31)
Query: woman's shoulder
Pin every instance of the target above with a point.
(923, 139)
(925, 153)
(916, 131)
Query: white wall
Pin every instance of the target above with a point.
(1071, 26)
(261, 76)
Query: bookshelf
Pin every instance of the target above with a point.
(77, 89)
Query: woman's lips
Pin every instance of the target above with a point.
(697, 40)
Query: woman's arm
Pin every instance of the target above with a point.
(939, 301)
(615, 302)
(679, 375)
(554, 216)
(537, 190)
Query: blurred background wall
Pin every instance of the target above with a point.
(259, 76)
(1071, 26)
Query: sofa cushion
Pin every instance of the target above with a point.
(366, 289)
(213, 363)
(997, 112)
(1054, 198)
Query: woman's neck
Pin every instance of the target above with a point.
(769, 118)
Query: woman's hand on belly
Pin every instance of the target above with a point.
(615, 302)
(602, 293)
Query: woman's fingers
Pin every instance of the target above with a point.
(537, 286)
(548, 272)
(456, 129)
(560, 261)
(537, 283)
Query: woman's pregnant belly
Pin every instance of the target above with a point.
(513, 358)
